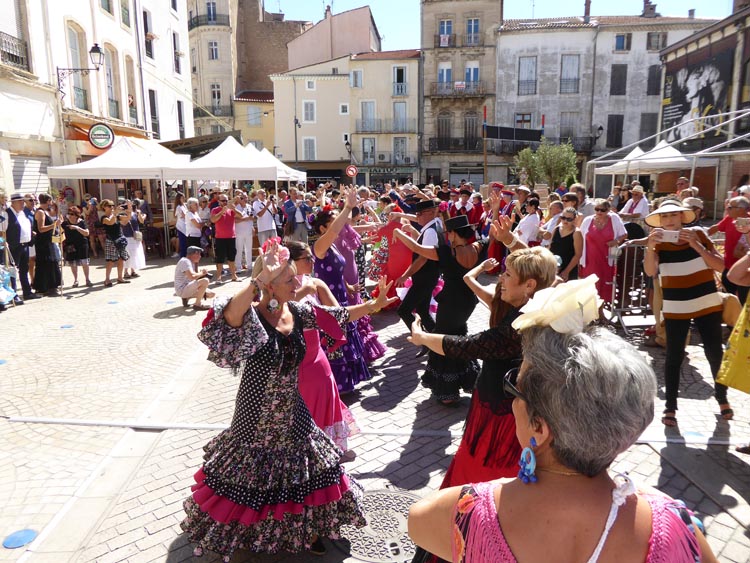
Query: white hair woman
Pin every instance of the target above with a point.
(575, 411)
(193, 222)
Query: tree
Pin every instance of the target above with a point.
(550, 162)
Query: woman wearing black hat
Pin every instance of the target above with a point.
(445, 377)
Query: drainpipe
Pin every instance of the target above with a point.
(53, 80)
(139, 51)
(593, 90)
(739, 53)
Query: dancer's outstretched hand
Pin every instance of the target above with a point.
(416, 331)
(383, 288)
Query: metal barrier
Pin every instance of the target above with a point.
(629, 284)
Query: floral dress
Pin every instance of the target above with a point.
(272, 481)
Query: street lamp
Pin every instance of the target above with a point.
(297, 125)
(97, 59)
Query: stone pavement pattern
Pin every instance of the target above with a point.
(107, 494)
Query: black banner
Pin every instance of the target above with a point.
(511, 134)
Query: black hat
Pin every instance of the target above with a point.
(426, 204)
(466, 191)
(457, 222)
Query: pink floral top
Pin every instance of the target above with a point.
(477, 535)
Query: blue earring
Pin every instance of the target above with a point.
(528, 464)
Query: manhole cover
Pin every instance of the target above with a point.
(384, 538)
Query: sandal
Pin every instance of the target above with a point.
(726, 413)
(75, 284)
(200, 307)
(669, 419)
(318, 547)
(89, 284)
(126, 276)
(743, 449)
(123, 281)
(134, 275)
(107, 283)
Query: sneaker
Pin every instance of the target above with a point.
(176, 255)
(318, 547)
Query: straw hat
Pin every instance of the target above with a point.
(654, 218)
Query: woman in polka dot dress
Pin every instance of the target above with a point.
(348, 362)
(272, 481)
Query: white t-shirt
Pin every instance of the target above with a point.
(528, 227)
(242, 228)
(180, 275)
(550, 227)
(641, 208)
(24, 224)
(430, 237)
(179, 215)
(265, 221)
(190, 229)
(205, 214)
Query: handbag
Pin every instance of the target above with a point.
(138, 235)
(732, 308)
(735, 365)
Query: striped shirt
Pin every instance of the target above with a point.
(686, 280)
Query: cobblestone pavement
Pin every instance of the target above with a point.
(129, 353)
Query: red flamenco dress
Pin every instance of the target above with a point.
(391, 259)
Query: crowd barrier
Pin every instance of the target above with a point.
(629, 285)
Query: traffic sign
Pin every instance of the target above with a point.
(351, 171)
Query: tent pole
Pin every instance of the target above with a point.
(165, 211)
(716, 191)
(692, 171)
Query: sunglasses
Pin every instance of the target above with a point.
(568, 219)
(600, 209)
(509, 385)
(223, 201)
(309, 258)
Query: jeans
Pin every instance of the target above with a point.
(709, 327)
(182, 239)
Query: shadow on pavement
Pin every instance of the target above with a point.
(176, 312)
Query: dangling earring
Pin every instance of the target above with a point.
(273, 305)
(528, 464)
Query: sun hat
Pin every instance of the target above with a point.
(654, 218)
(17, 196)
(637, 189)
(692, 202)
(193, 249)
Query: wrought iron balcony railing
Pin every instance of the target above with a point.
(457, 89)
(215, 110)
(455, 144)
(206, 19)
(13, 51)
(406, 125)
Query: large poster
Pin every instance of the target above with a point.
(696, 91)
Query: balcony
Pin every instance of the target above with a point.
(125, 14)
(445, 41)
(114, 108)
(214, 19)
(457, 89)
(13, 51)
(526, 87)
(387, 158)
(80, 98)
(472, 40)
(155, 127)
(508, 146)
(569, 85)
(406, 125)
(454, 144)
(400, 89)
(215, 110)
(133, 115)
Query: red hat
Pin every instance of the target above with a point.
(507, 192)
(454, 191)
(496, 185)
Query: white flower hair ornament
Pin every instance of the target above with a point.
(566, 308)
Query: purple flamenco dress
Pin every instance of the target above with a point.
(347, 243)
(348, 362)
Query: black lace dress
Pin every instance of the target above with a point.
(47, 275)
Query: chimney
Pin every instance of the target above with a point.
(691, 13)
(587, 11)
(649, 9)
(740, 5)
(328, 13)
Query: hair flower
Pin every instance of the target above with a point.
(268, 242)
(566, 308)
(283, 254)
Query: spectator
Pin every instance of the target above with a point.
(296, 211)
(180, 211)
(528, 227)
(18, 235)
(131, 223)
(567, 244)
(736, 208)
(95, 226)
(76, 247)
(47, 277)
(115, 245)
(225, 244)
(263, 210)
(634, 212)
(193, 222)
(145, 208)
(189, 283)
(585, 205)
(243, 227)
(551, 221)
(601, 233)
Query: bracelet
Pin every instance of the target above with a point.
(373, 303)
(256, 284)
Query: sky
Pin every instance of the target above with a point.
(398, 20)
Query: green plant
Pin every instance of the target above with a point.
(525, 161)
(551, 163)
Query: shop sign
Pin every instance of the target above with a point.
(390, 170)
(101, 135)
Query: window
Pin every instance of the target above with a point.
(308, 111)
(125, 12)
(653, 87)
(472, 32)
(445, 34)
(254, 116)
(106, 6)
(614, 130)
(80, 94)
(174, 7)
(308, 148)
(309, 85)
(192, 59)
(110, 77)
(368, 150)
(399, 81)
(523, 121)
(198, 131)
(619, 80)
(334, 70)
(213, 50)
(211, 11)
(471, 127)
(180, 120)
(568, 122)
(569, 83)
(399, 151)
(445, 27)
(622, 41)
(216, 98)
(399, 117)
(216, 129)
(526, 76)
(471, 73)
(148, 34)
(154, 109)
(355, 79)
(343, 109)
(367, 110)
(445, 125)
(648, 128)
(656, 41)
(445, 78)
(176, 51)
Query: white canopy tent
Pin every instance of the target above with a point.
(623, 165)
(283, 172)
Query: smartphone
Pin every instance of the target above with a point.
(670, 236)
(742, 222)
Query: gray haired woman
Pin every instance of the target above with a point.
(576, 410)
(193, 222)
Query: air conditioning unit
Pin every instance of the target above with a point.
(407, 160)
(382, 156)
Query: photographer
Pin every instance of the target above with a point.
(264, 210)
(190, 283)
(131, 223)
(225, 241)
(115, 244)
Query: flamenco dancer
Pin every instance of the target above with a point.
(272, 481)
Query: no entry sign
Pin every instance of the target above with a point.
(351, 171)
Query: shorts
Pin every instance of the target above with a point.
(225, 250)
(112, 253)
(191, 288)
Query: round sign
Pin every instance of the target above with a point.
(351, 171)
(101, 135)
(68, 193)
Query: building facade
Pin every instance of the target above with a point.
(141, 88)
(254, 118)
(459, 44)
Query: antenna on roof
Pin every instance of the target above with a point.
(532, 9)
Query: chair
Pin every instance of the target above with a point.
(154, 240)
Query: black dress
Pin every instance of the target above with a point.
(564, 247)
(445, 376)
(76, 246)
(47, 275)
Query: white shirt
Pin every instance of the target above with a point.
(528, 227)
(242, 228)
(550, 227)
(205, 214)
(265, 221)
(179, 215)
(430, 237)
(181, 278)
(190, 229)
(24, 224)
(631, 207)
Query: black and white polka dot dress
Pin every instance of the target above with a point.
(272, 481)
